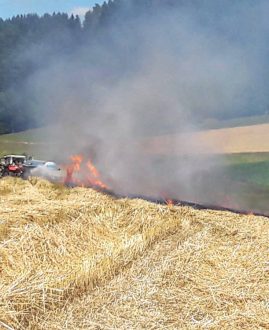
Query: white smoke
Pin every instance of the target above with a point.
(160, 73)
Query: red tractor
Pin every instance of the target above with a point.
(12, 165)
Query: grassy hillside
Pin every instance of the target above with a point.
(235, 122)
(32, 142)
(33, 135)
(77, 259)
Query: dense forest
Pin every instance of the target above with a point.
(44, 36)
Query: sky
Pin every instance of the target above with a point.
(9, 8)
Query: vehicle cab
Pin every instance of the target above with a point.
(13, 160)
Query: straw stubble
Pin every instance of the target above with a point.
(78, 259)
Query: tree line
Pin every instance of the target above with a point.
(30, 41)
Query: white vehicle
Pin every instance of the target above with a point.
(49, 170)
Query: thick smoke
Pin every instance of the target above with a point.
(160, 72)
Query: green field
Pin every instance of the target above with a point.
(254, 172)
(246, 181)
(32, 142)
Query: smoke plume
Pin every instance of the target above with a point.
(151, 73)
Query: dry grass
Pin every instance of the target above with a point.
(71, 259)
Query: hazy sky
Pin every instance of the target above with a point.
(9, 8)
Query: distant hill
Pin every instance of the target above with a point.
(241, 135)
(242, 139)
(235, 122)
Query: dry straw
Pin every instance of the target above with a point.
(78, 259)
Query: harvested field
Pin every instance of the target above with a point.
(246, 139)
(78, 259)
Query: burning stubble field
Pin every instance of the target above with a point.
(238, 177)
(78, 259)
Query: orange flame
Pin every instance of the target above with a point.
(92, 169)
(87, 173)
(94, 176)
(169, 202)
(77, 160)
